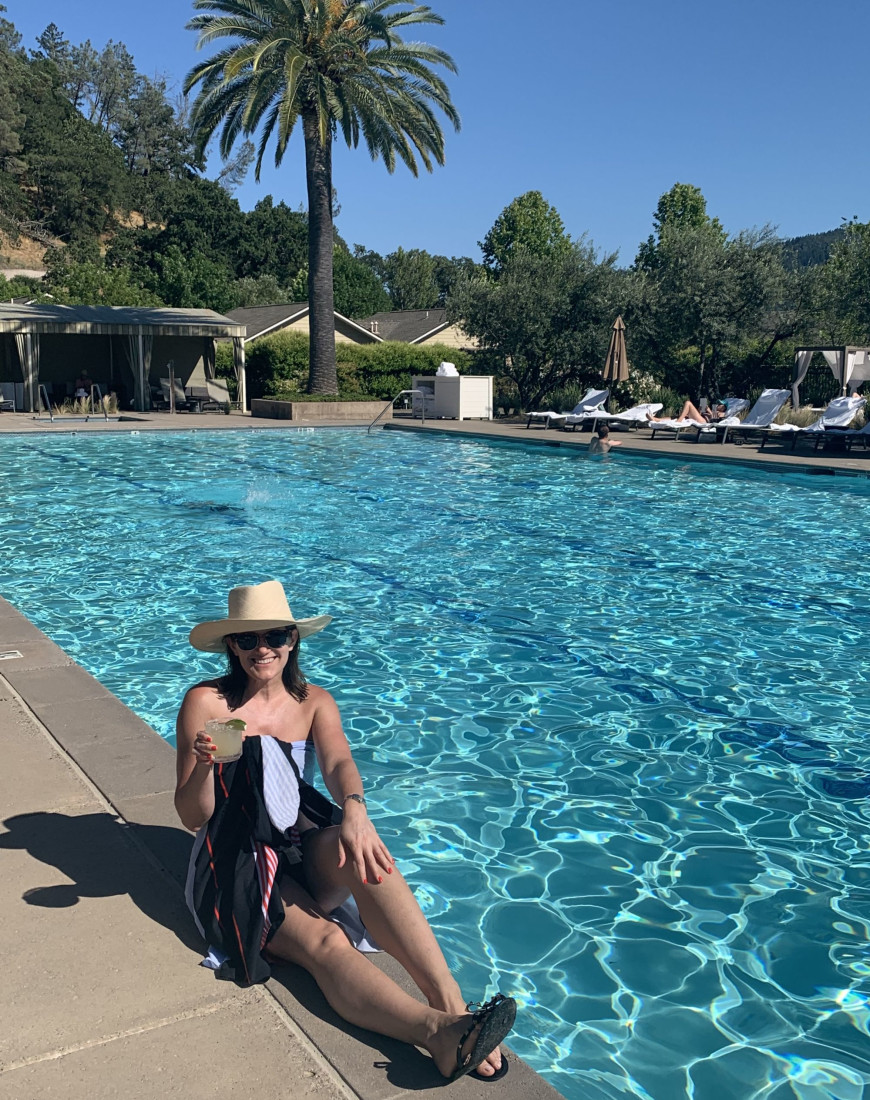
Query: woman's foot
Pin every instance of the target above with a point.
(453, 1003)
(479, 1039)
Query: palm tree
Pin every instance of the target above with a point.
(334, 64)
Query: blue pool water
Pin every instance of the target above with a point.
(613, 715)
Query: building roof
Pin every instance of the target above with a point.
(263, 320)
(411, 326)
(116, 320)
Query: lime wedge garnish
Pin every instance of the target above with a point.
(236, 724)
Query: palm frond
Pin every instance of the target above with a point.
(265, 134)
(346, 63)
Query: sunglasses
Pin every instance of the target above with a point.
(274, 639)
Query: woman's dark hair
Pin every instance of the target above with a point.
(234, 681)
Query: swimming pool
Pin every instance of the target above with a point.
(612, 715)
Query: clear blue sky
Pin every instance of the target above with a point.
(763, 104)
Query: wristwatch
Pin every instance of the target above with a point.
(354, 798)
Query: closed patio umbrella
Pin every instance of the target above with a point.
(616, 363)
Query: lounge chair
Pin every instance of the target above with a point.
(178, 393)
(218, 391)
(637, 416)
(760, 416)
(839, 414)
(212, 397)
(593, 400)
(7, 396)
(859, 435)
(734, 405)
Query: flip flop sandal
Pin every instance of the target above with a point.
(495, 1019)
(497, 1076)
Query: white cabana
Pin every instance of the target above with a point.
(849, 365)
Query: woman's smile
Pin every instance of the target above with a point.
(263, 661)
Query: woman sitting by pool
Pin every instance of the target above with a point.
(273, 856)
(711, 415)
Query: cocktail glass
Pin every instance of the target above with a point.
(227, 737)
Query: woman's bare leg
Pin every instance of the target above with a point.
(691, 413)
(688, 412)
(358, 991)
(390, 912)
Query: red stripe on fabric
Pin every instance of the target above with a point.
(261, 869)
(211, 859)
(267, 867)
(220, 768)
(213, 875)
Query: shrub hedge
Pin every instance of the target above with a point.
(277, 366)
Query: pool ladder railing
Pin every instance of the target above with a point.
(43, 396)
(94, 404)
(101, 401)
(392, 402)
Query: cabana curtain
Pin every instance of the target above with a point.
(27, 344)
(802, 362)
(138, 349)
(850, 366)
(239, 367)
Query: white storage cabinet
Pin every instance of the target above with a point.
(461, 397)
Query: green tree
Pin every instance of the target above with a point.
(545, 322)
(75, 176)
(358, 291)
(192, 281)
(71, 280)
(448, 272)
(844, 288)
(273, 240)
(12, 120)
(333, 64)
(10, 39)
(200, 218)
(149, 134)
(410, 279)
(682, 208)
(528, 223)
(265, 290)
(701, 294)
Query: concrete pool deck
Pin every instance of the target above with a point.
(102, 994)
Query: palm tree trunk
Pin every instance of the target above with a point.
(322, 377)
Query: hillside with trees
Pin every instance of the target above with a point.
(100, 166)
(100, 169)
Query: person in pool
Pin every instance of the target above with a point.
(273, 857)
(600, 443)
(714, 412)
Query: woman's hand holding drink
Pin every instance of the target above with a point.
(220, 741)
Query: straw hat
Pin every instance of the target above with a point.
(256, 607)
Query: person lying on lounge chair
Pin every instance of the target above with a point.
(711, 415)
(600, 443)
